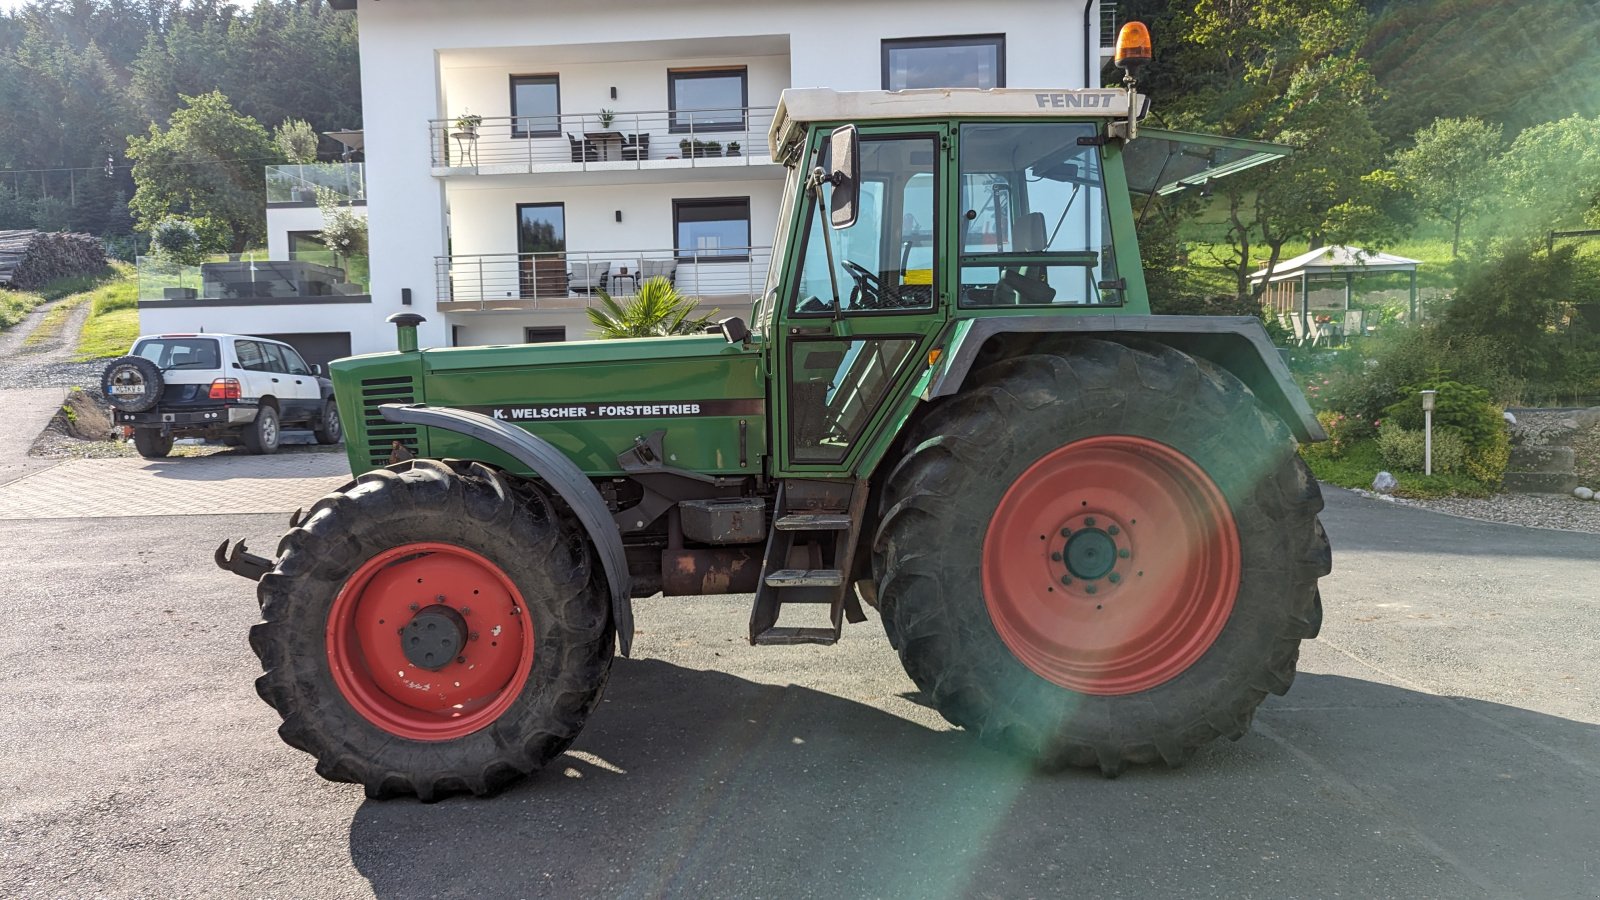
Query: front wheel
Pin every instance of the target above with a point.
(327, 427)
(1101, 556)
(433, 629)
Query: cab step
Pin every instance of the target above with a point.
(805, 578)
(813, 522)
(780, 636)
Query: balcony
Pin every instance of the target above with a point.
(246, 280)
(298, 185)
(572, 280)
(717, 141)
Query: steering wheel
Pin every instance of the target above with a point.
(868, 288)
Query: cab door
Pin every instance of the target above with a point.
(854, 336)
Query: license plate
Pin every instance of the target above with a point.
(127, 389)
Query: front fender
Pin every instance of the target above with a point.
(563, 476)
(1238, 344)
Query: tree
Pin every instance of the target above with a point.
(296, 140)
(344, 232)
(657, 311)
(1450, 170)
(1550, 178)
(206, 164)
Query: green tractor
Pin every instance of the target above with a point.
(1085, 527)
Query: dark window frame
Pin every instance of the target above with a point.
(528, 332)
(517, 131)
(674, 126)
(945, 42)
(560, 204)
(678, 252)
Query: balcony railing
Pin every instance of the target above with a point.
(632, 140)
(299, 183)
(1108, 26)
(252, 277)
(573, 279)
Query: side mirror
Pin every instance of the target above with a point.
(734, 330)
(316, 368)
(844, 152)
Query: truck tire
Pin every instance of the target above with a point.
(328, 427)
(427, 557)
(1100, 556)
(152, 443)
(132, 384)
(264, 434)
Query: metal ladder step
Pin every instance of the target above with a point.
(805, 578)
(780, 636)
(813, 522)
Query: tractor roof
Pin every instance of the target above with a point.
(800, 106)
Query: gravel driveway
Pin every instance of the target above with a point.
(1441, 741)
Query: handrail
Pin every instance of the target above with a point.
(573, 279)
(581, 142)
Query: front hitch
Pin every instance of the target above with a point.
(242, 562)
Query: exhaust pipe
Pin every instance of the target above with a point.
(405, 326)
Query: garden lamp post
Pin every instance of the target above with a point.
(1427, 431)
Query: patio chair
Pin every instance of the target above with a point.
(588, 277)
(583, 149)
(1354, 323)
(658, 268)
(1299, 325)
(636, 147)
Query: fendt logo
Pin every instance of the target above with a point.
(1077, 100)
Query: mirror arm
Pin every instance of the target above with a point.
(818, 179)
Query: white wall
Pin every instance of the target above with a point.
(283, 219)
(832, 43)
(275, 319)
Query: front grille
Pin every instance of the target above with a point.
(380, 432)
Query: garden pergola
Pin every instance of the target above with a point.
(1289, 284)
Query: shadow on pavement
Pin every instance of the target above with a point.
(701, 784)
(314, 461)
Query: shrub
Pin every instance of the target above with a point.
(1405, 450)
(177, 240)
(1464, 413)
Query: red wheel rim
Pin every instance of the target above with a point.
(1111, 565)
(410, 587)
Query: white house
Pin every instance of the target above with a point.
(522, 155)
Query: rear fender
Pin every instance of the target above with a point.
(1238, 344)
(561, 474)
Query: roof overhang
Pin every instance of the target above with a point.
(798, 107)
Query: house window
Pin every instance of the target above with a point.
(544, 334)
(716, 230)
(535, 106)
(972, 61)
(707, 100)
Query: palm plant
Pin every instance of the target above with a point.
(656, 311)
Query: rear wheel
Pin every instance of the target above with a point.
(262, 435)
(152, 443)
(430, 631)
(1101, 556)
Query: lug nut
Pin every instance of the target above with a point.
(473, 636)
(1089, 521)
(1091, 589)
(1123, 553)
(1113, 531)
(416, 606)
(1114, 578)
(1066, 579)
(461, 659)
(466, 611)
(438, 598)
(1055, 557)
(1066, 532)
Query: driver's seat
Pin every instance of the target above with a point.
(1029, 283)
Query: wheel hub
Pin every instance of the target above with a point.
(1091, 554)
(434, 637)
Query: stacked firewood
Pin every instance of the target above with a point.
(30, 259)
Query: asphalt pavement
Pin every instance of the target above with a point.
(1440, 741)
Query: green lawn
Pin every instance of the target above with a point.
(15, 306)
(113, 318)
(1360, 463)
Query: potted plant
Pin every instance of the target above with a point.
(733, 148)
(467, 125)
(607, 116)
(686, 147)
(713, 148)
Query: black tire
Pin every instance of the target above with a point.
(474, 507)
(151, 443)
(328, 427)
(264, 434)
(965, 454)
(132, 384)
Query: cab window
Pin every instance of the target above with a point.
(251, 356)
(297, 366)
(1033, 220)
(887, 260)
